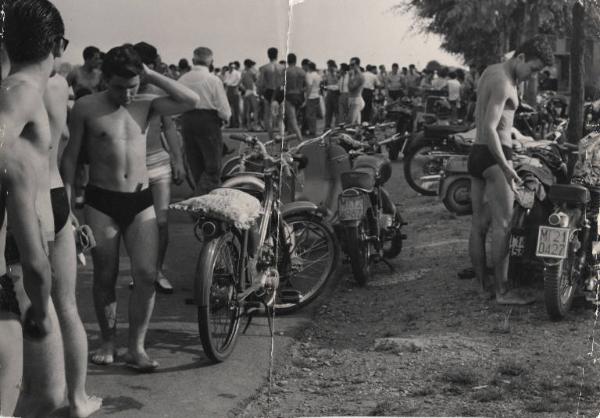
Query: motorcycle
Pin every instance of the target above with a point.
(400, 111)
(368, 222)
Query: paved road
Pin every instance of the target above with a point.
(186, 384)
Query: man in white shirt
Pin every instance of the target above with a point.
(201, 127)
(313, 83)
(371, 82)
(453, 95)
(232, 84)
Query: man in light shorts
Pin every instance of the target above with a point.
(355, 87)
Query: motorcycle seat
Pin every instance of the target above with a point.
(361, 177)
(382, 169)
(569, 193)
(442, 131)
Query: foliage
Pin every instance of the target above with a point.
(483, 30)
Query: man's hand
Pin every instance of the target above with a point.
(178, 172)
(36, 326)
(512, 177)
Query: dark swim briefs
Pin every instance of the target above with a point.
(60, 208)
(271, 95)
(480, 159)
(295, 99)
(8, 297)
(122, 207)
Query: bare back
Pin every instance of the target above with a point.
(56, 99)
(271, 76)
(115, 139)
(494, 89)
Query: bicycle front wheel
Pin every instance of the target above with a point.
(219, 312)
(313, 262)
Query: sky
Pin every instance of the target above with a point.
(240, 29)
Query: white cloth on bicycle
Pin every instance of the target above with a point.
(230, 205)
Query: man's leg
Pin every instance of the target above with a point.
(191, 139)
(105, 257)
(11, 362)
(255, 109)
(64, 265)
(479, 227)
(161, 195)
(329, 109)
(212, 149)
(311, 116)
(43, 387)
(268, 117)
(292, 119)
(141, 241)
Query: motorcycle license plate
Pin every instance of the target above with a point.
(351, 208)
(517, 243)
(552, 242)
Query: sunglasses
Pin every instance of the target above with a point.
(64, 43)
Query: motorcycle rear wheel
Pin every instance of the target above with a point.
(357, 250)
(393, 246)
(458, 197)
(414, 167)
(558, 289)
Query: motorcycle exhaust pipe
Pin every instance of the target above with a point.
(559, 219)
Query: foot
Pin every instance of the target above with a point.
(86, 407)
(162, 284)
(140, 362)
(104, 356)
(512, 297)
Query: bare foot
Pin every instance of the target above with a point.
(140, 362)
(104, 355)
(87, 407)
(512, 297)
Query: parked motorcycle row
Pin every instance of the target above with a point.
(285, 218)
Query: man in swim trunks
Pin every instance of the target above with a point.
(159, 163)
(493, 178)
(87, 76)
(33, 36)
(112, 125)
(356, 82)
(294, 93)
(64, 262)
(270, 86)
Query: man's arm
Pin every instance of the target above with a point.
(179, 98)
(493, 114)
(73, 148)
(174, 144)
(221, 102)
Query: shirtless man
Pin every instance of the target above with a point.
(493, 179)
(355, 87)
(112, 125)
(270, 86)
(159, 163)
(33, 37)
(87, 76)
(63, 258)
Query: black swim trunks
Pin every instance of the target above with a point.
(295, 99)
(480, 159)
(60, 208)
(122, 207)
(271, 95)
(8, 297)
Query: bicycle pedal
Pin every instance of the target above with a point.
(290, 296)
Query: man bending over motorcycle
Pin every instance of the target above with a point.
(490, 162)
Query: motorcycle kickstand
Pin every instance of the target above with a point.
(390, 266)
(250, 313)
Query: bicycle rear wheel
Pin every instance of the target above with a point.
(219, 312)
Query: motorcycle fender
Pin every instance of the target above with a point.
(305, 206)
(244, 179)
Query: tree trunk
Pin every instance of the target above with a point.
(575, 128)
(531, 88)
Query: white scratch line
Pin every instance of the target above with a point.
(439, 244)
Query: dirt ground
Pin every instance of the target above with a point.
(421, 342)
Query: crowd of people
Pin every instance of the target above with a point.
(102, 136)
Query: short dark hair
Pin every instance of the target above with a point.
(89, 52)
(122, 61)
(395, 65)
(147, 52)
(248, 63)
(355, 59)
(536, 47)
(331, 63)
(344, 66)
(452, 74)
(183, 64)
(31, 30)
(304, 62)
(272, 53)
(312, 66)
(291, 59)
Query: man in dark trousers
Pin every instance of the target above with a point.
(201, 127)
